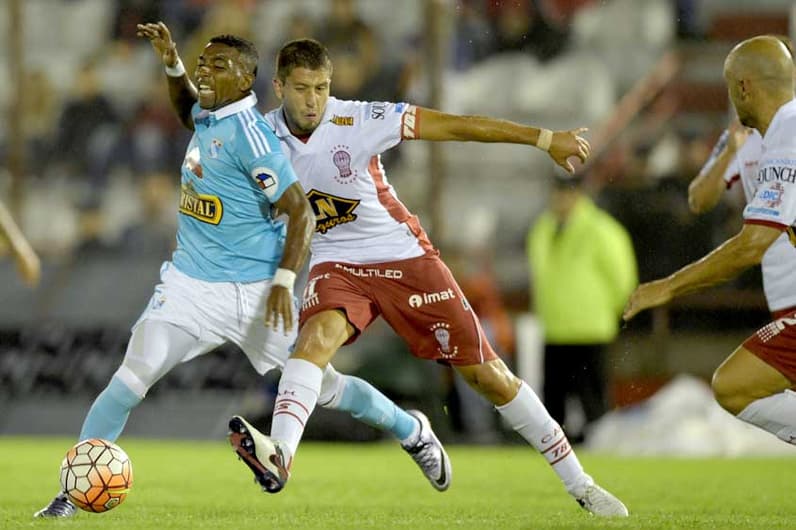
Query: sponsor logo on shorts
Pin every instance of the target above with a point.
(158, 299)
(331, 211)
(205, 208)
(310, 298)
(768, 332)
(442, 333)
(417, 300)
(388, 274)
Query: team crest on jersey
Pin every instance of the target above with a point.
(341, 158)
(193, 161)
(215, 145)
(343, 121)
(330, 210)
(205, 208)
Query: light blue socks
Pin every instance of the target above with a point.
(367, 404)
(109, 412)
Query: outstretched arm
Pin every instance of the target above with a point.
(560, 145)
(28, 262)
(707, 188)
(735, 255)
(300, 227)
(182, 92)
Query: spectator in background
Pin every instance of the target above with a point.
(521, 26)
(88, 129)
(38, 117)
(583, 267)
(28, 262)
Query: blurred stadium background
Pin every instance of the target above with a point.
(89, 152)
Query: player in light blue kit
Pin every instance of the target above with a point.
(231, 276)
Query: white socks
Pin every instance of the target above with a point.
(298, 393)
(526, 415)
(775, 414)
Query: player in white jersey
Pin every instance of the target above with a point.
(28, 262)
(371, 258)
(735, 160)
(755, 381)
(231, 275)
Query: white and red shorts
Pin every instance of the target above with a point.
(418, 297)
(775, 343)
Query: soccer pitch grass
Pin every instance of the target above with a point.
(185, 484)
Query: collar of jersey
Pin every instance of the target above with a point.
(232, 108)
(283, 131)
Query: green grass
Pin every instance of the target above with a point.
(192, 485)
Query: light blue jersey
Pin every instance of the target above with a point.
(233, 171)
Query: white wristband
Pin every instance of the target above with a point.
(178, 70)
(284, 278)
(544, 139)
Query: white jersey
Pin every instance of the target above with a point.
(359, 218)
(780, 258)
(767, 169)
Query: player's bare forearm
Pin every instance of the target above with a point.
(183, 96)
(559, 145)
(27, 260)
(438, 126)
(182, 92)
(706, 189)
(735, 255)
(300, 227)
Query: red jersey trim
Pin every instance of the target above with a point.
(394, 207)
(733, 179)
(772, 224)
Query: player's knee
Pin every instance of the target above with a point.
(321, 336)
(727, 393)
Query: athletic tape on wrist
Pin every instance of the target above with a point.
(178, 70)
(284, 278)
(544, 139)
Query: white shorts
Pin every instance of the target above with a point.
(220, 312)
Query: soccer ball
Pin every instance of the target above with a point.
(96, 475)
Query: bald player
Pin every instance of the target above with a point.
(754, 383)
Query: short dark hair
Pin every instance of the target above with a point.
(303, 53)
(246, 49)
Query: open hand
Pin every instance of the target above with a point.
(647, 295)
(567, 144)
(160, 38)
(279, 306)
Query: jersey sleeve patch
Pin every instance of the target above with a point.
(267, 180)
(409, 124)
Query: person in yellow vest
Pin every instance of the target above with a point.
(583, 268)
